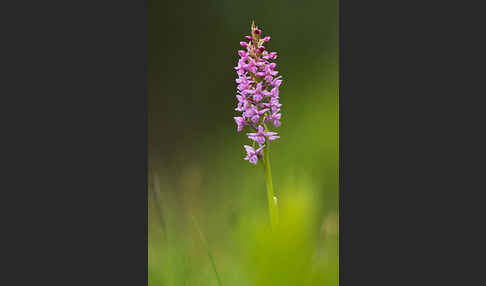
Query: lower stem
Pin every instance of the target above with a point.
(272, 199)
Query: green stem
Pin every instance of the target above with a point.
(272, 199)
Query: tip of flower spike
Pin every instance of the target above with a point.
(257, 31)
(252, 26)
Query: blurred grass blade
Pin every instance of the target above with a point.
(206, 246)
(157, 203)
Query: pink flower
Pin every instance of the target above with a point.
(252, 154)
(275, 119)
(259, 136)
(240, 122)
(257, 93)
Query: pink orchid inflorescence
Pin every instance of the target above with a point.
(258, 92)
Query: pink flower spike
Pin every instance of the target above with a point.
(257, 93)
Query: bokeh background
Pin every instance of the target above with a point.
(207, 203)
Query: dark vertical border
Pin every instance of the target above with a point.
(79, 148)
(403, 112)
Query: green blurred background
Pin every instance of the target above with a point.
(197, 176)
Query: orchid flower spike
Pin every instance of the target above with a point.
(257, 92)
